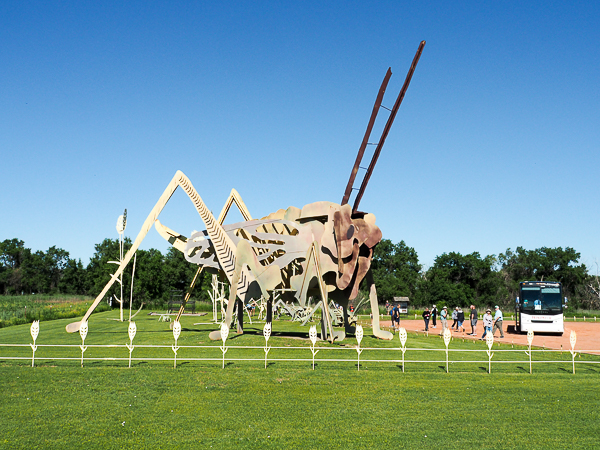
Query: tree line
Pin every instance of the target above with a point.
(453, 280)
(157, 276)
(464, 280)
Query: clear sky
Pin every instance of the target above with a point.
(495, 146)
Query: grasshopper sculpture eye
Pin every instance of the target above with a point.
(324, 249)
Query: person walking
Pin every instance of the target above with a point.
(426, 316)
(444, 319)
(454, 317)
(488, 320)
(498, 318)
(460, 319)
(434, 313)
(473, 318)
(391, 310)
(396, 317)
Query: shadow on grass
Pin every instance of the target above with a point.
(233, 337)
(283, 334)
(98, 333)
(579, 369)
(194, 330)
(163, 331)
(106, 364)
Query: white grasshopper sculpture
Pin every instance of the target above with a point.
(323, 249)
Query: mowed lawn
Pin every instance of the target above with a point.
(105, 404)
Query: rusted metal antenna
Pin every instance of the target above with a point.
(384, 134)
(365, 141)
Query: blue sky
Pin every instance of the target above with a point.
(495, 145)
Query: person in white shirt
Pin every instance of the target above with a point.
(498, 322)
(488, 320)
(444, 319)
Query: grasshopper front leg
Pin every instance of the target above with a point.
(377, 331)
(312, 255)
(223, 245)
(267, 278)
(160, 204)
(179, 241)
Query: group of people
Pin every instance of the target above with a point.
(427, 315)
(490, 324)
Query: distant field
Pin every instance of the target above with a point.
(105, 404)
(20, 309)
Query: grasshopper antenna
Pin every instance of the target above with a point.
(384, 134)
(365, 141)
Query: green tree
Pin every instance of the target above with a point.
(33, 276)
(149, 283)
(396, 270)
(549, 264)
(179, 273)
(12, 255)
(590, 293)
(99, 270)
(53, 264)
(457, 280)
(73, 280)
(25, 271)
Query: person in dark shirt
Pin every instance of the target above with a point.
(460, 318)
(426, 316)
(473, 317)
(434, 312)
(396, 318)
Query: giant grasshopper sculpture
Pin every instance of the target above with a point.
(323, 249)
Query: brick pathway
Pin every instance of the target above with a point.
(588, 334)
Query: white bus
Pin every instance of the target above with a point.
(539, 307)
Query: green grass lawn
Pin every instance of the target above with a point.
(105, 404)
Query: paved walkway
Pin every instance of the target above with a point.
(588, 334)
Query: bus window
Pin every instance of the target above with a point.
(531, 295)
(551, 298)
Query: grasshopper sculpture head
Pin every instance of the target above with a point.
(355, 240)
(346, 245)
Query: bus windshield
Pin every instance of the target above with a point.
(541, 300)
